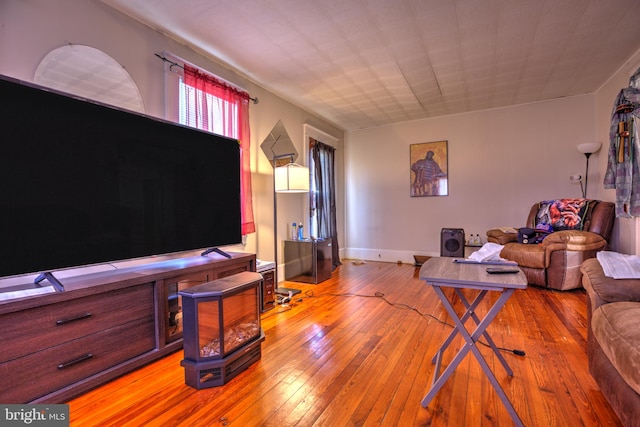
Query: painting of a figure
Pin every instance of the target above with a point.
(429, 175)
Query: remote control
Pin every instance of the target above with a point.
(502, 270)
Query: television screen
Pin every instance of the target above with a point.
(83, 183)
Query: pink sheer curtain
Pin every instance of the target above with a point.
(230, 106)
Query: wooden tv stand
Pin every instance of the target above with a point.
(59, 345)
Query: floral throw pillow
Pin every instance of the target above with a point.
(563, 214)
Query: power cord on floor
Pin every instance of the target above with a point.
(285, 302)
(310, 294)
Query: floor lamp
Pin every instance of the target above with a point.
(587, 149)
(290, 178)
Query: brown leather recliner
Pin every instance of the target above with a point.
(555, 262)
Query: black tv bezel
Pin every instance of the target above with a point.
(153, 121)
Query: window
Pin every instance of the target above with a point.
(212, 105)
(211, 118)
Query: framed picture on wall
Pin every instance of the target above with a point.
(429, 169)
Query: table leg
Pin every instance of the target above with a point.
(465, 316)
(440, 379)
(472, 314)
(496, 385)
(471, 339)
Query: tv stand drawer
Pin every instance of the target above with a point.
(36, 374)
(36, 329)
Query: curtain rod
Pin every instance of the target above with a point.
(175, 64)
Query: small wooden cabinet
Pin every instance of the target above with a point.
(59, 345)
(308, 261)
(268, 290)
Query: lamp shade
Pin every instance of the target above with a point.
(589, 147)
(291, 178)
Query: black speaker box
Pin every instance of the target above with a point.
(452, 242)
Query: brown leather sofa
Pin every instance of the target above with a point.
(613, 339)
(555, 262)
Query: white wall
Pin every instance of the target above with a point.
(501, 162)
(31, 29)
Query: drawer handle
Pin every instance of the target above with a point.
(74, 361)
(73, 319)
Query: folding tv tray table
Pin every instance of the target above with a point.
(457, 274)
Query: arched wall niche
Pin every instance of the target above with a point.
(89, 73)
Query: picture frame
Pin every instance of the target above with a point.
(429, 169)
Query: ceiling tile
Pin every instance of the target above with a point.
(363, 63)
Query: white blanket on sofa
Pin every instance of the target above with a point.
(619, 266)
(488, 252)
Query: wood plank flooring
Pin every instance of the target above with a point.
(356, 351)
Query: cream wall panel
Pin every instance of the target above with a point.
(501, 161)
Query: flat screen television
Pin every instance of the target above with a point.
(82, 183)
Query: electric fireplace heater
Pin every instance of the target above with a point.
(222, 335)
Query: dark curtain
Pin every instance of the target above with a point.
(323, 202)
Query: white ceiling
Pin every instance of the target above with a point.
(364, 63)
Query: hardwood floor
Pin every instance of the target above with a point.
(356, 351)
